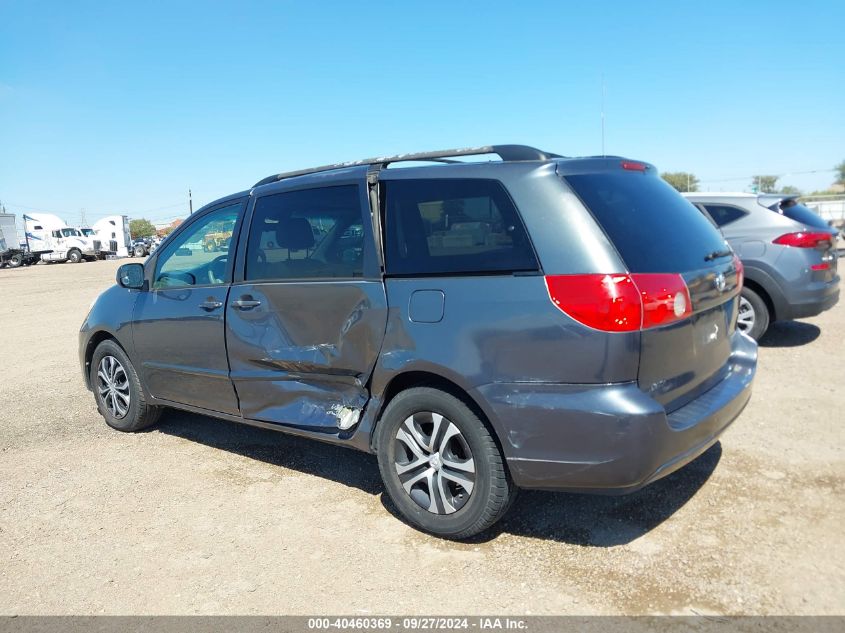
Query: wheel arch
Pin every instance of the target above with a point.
(764, 295)
(93, 343)
(425, 378)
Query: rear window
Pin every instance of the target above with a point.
(653, 227)
(802, 214)
(454, 226)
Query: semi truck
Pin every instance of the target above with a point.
(59, 242)
(111, 235)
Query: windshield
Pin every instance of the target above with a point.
(802, 214)
(652, 226)
(87, 232)
(70, 233)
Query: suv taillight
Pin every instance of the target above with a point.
(621, 302)
(805, 239)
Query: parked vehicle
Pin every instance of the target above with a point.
(57, 241)
(789, 254)
(111, 234)
(538, 322)
(142, 246)
(12, 253)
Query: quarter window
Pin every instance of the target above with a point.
(723, 214)
(199, 255)
(453, 226)
(307, 234)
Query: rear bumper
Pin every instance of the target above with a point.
(813, 302)
(613, 438)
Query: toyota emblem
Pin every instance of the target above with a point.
(719, 282)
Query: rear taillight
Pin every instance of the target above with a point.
(740, 272)
(633, 165)
(621, 302)
(805, 239)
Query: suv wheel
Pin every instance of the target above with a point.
(753, 318)
(440, 465)
(117, 390)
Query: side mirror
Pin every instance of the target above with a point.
(131, 276)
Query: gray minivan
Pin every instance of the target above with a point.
(530, 322)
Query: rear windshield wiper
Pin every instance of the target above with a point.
(717, 254)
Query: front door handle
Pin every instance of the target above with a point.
(211, 305)
(245, 304)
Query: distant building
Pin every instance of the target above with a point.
(164, 228)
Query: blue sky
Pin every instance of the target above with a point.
(121, 107)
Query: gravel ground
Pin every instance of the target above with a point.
(203, 516)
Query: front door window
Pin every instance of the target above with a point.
(199, 256)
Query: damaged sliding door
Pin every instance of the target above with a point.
(307, 312)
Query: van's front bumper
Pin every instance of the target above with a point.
(611, 438)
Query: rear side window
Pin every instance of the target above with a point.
(802, 214)
(724, 214)
(454, 226)
(652, 226)
(306, 234)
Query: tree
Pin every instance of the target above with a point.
(840, 173)
(790, 190)
(681, 180)
(764, 184)
(141, 228)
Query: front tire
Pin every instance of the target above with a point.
(753, 318)
(117, 390)
(440, 465)
(74, 256)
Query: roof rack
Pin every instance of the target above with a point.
(505, 152)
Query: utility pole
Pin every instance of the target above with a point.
(190, 203)
(82, 218)
(602, 115)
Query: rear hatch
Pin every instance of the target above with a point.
(660, 235)
(818, 236)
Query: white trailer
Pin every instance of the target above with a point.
(47, 232)
(12, 252)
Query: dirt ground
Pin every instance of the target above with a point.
(203, 516)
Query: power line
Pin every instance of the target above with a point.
(778, 176)
(93, 215)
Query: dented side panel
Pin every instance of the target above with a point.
(304, 354)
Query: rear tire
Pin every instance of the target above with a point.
(139, 251)
(117, 390)
(440, 465)
(754, 314)
(15, 261)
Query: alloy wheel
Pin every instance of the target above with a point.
(113, 386)
(745, 318)
(434, 463)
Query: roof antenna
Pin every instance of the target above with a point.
(602, 116)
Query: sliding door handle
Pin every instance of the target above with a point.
(245, 304)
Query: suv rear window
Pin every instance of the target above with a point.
(802, 214)
(652, 226)
(453, 226)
